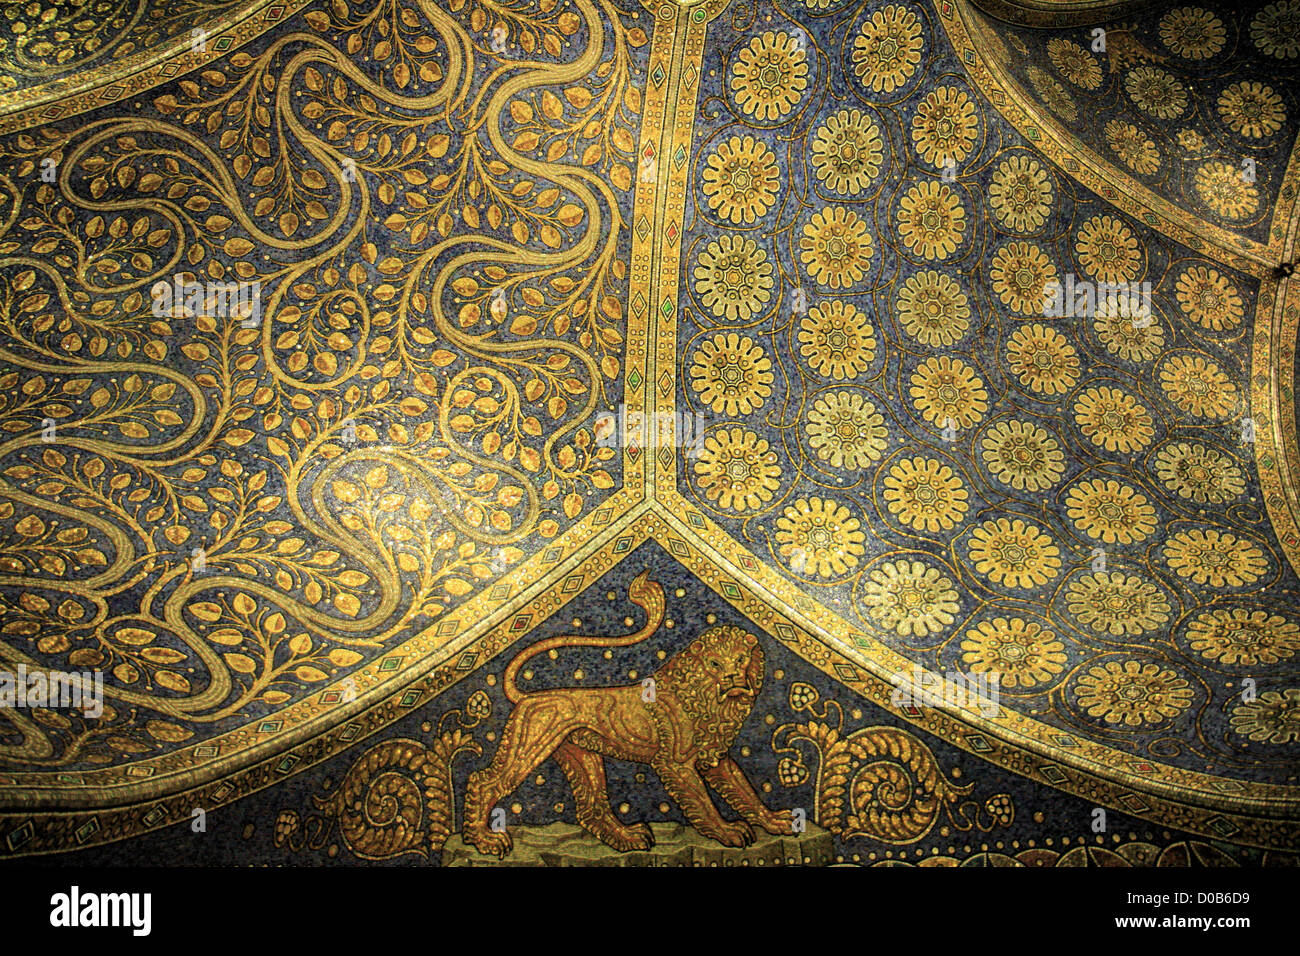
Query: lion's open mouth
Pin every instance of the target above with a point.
(737, 689)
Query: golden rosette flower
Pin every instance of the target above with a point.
(910, 598)
(845, 430)
(933, 309)
(732, 375)
(1020, 193)
(1132, 693)
(846, 152)
(1241, 637)
(1225, 189)
(1113, 419)
(821, 537)
(944, 126)
(948, 393)
(1108, 250)
(741, 179)
(1111, 512)
(1126, 332)
(1198, 473)
(1133, 147)
(1042, 359)
(1209, 299)
(1191, 142)
(1275, 30)
(733, 278)
(1198, 387)
(1023, 653)
(1053, 94)
(770, 75)
(1013, 553)
(837, 340)
(925, 494)
(931, 220)
(1121, 605)
(1193, 33)
(1252, 109)
(1021, 274)
(836, 247)
(1022, 455)
(737, 469)
(1217, 558)
(1074, 63)
(1156, 92)
(887, 50)
(1271, 718)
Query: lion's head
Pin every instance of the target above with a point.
(716, 679)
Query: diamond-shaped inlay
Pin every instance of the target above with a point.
(657, 75)
(634, 379)
(466, 661)
(1134, 803)
(666, 307)
(665, 383)
(410, 698)
(1053, 774)
(447, 628)
(979, 743)
(1065, 740)
(287, 764)
(1222, 826)
(269, 727)
(846, 672)
(678, 548)
(87, 830)
(520, 622)
(20, 836)
(680, 156)
(551, 555)
(500, 592)
(390, 664)
(155, 816)
(643, 228)
(623, 544)
(573, 583)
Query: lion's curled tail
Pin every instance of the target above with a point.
(644, 593)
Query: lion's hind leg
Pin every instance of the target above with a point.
(586, 775)
(533, 730)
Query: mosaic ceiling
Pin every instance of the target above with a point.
(352, 349)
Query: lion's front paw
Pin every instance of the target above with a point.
(738, 834)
